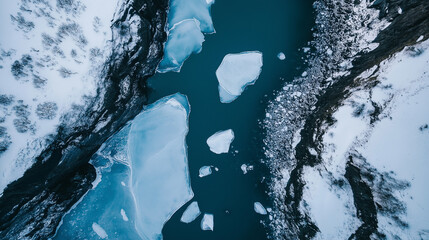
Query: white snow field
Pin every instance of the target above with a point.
(191, 213)
(187, 21)
(236, 72)
(143, 177)
(259, 208)
(220, 141)
(51, 59)
(207, 223)
(205, 171)
(394, 150)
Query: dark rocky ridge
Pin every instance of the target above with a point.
(403, 31)
(32, 206)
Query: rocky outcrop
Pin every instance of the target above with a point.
(32, 206)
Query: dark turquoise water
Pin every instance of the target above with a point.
(270, 27)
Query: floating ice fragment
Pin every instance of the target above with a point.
(420, 38)
(207, 222)
(304, 74)
(236, 72)
(306, 49)
(99, 230)
(184, 39)
(187, 21)
(205, 171)
(191, 213)
(281, 56)
(257, 206)
(160, 179)
(124, 215)
(191, 9)
(220, 141)
(245, 168)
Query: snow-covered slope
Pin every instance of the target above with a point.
(52, 57)
(319, 192)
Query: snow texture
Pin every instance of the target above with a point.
(236, 72)
(52, 55)
(220, 141)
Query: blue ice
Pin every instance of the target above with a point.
(191, 213)
(184, 39)
(187, 21)
(143, 178)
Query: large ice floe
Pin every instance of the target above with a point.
(187, 21)
(220, 141)
(143, 178)
(236, 72)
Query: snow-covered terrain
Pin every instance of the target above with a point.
(335, 174)
(51, 62)
(382, 129)
(236, 72)
(142, 180)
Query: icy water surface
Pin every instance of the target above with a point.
(269, 27)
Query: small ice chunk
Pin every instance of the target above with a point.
(99, 230)
(399, 10)
(123, 184)
(220, 141)
(257, 206)
(124, 215)
(236, 72)
(304, 74)
(329, 52)
(281, 56)
(306, 49)
(245, 168)
(191, 213)
(205, 171)
(420, 38)
(207, 222)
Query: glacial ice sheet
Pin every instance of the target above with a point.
(160, 178)
(142, 175)
(220, 141)
(184, 39)
(187, 21)
(191, 213)
(236, 72)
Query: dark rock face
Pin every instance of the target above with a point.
(32, 206)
